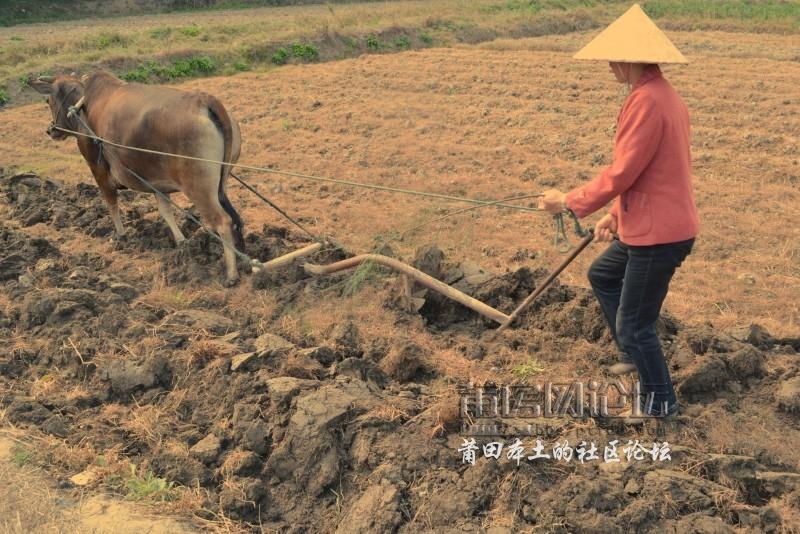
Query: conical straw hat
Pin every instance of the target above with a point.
(632, 38)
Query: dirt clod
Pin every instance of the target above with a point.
(56, 426)
(272, 345)
(347, 340)
(207, 449)
(377, 510)
(787, 396)
(404, 362)
(312, 433)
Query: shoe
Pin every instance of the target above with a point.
(633, 420)
(629, 419)
(621, 368)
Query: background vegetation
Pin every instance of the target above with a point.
(200, 38)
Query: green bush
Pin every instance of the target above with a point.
(181, 68)
(372, 42)
(402, 42)
(139, 75)
(350, 43)
(202, 64)
(281, 56)
(160, 33)
(149, 486)
(188, 67)
(311, 53)
(107, 40)
(190, 31)
(426, 39)
(306, 52)
(241, 66)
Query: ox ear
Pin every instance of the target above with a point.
(43, 85)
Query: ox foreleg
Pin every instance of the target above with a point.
(109, 192)
(231, 273)
(165, 209)
(113, 208)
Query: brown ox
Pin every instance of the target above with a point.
(157, 118)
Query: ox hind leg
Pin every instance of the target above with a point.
(217, 218)
(165, 209)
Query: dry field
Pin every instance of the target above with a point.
(127, 352)
(515, 117)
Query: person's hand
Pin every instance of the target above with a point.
(553, 201)
(605, 228)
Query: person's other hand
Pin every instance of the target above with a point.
(553, 201)
(605, 228)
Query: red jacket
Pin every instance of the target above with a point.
(651, 175)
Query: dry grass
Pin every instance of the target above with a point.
(389, 412)
(148, 424)
(26, 503)
(403, 362)
(56, 454)
(444, 414)
(44, 386)
(725, 433)
(163, 295)
(207, 350)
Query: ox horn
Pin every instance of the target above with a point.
(76, 108)
(46, 79)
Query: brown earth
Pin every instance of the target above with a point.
(290, 416)
(295, 404)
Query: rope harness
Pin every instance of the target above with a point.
(561, 241)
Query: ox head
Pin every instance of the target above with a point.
(62, 92)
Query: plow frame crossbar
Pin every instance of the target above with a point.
(286, 259)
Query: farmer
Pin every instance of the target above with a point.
(653, 211)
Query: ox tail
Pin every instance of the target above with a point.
(224, 123)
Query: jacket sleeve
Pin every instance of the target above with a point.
(639, 133)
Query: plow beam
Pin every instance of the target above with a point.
(415, 274)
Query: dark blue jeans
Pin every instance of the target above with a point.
(631, 284)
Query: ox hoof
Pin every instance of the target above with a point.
(230, 282)
(119, 241)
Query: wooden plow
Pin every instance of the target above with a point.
(412, 274)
